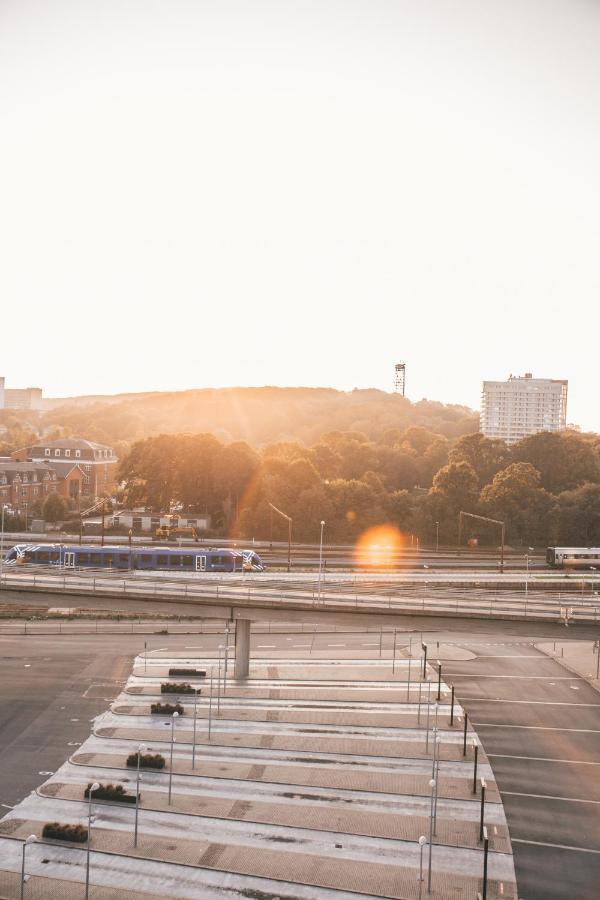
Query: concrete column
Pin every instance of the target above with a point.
(242, 648)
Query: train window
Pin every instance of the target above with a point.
(162, 560)
(146, 559)
(54, 556)
(187, 560)
(175, 561)
(83, 559)
(43, 556)
(96, 559)
(124, 557)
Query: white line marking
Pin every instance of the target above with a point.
(554, 846)
(266, 646)
(536, 727)
(570, 762)
(537, 702)
(549, 797)
(7, 805)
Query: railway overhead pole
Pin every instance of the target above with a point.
(462, 515)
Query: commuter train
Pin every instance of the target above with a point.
(171, 559)
(573, 557)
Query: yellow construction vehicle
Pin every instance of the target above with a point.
(172, 530)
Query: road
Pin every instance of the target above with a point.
(539, 724)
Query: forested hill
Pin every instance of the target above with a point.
(259, 416)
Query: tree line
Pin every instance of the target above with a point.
(546, 488)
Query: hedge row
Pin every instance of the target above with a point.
(199, 672)
(177, 688)
(147, 761)
(61, 832)
(166, 709)
(110, 792)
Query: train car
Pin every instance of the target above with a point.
(168, 559)
(573, 557)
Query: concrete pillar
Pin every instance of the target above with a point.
(242, 648)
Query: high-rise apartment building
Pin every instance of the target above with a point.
(523, 405)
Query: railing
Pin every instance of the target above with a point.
(353, 593)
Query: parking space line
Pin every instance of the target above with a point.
(539, 702)
(548, 797)
(570, 762)
(535, 727)
(554, 846)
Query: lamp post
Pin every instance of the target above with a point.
(173, 717)
(210, 705)
(25, 505)
(141, 749)
(194, 732)
(2, 545)
(422, 842)
(321, 558)
(432, 786)
(437, 537)
(28, 840)
(289, 521)
(219, 681)
(93, 788)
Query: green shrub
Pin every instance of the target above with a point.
(61, 832)
(110, 792)
(166, 709)
(147, 761)
(199, 672)
(177, 688)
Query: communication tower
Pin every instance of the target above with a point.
(400, 378)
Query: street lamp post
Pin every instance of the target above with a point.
(173, 717)
(194, 732)
(432, 786)
(219, 681)
(2, 545)
(28, 840)
(321, 558)
(94, 787)
(289, 521)
(422, 842)
(141, 749)
(210, 705)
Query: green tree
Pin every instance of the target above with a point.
(54, 508)
(579, 517)
(517, 498)
(485, 455)
(454, 488)
(564, 460)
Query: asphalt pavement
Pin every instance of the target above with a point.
(540, 726)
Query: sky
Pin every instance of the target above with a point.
(205, 193)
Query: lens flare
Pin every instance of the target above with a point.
(378, 547)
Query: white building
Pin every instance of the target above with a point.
(19, 398)
(523, 405)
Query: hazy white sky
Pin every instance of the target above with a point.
(220, 192)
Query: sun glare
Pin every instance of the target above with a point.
(378, 547)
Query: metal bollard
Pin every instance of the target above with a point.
(439, 693)
(486, 844)
(475, 755)
(465, 734)
(452, 707)
(482, 810)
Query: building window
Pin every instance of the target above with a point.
(47, 451)
(57, 452)
(78, 453)
(67, 452)
(35, 491)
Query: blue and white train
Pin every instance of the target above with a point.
(170, 559)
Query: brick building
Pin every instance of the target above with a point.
(96, 463)
(23, 484)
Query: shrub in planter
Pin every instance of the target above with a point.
(177, 688)
(147, 761)
(200, 672)
(166, 709)
(61, 832)
(110, 792)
